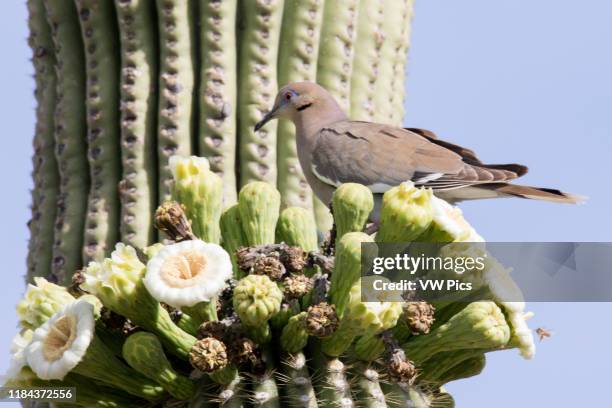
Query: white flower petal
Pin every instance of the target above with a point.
(81, 312)
(187, 273)
(18, 357)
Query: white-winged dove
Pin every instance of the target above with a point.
(333, 149)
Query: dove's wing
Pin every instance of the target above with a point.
(382, 156)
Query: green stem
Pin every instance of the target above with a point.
(99, 28)
(138, 187)
(100, 364)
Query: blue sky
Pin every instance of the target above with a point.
(528, 82)
(516, 80)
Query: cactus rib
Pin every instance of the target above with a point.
(367, 58)
(399, 68)
(70, 139)
(299, 390)
(297, 61)
(98, 25)
(138, 187)
(369, 393)
(259, 39)
(396, 15)
(176, 82)
(45, 172)
(217, 121)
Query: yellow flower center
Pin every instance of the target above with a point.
(60, 337)
(181, 270)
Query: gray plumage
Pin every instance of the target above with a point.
(334, 149)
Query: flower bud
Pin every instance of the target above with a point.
(256, 299)
(259, 206)
(405, 214)
(352, 204)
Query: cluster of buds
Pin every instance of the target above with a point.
(222, 308)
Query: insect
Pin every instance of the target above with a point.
(543, 333)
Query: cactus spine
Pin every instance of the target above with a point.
(217, 131)
(98, 27)
(70, 139)
(176, 79)
(298, 55)
(257, 87)
(45, 173)
(138, 187)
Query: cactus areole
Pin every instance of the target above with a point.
(200, 278)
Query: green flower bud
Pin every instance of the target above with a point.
(256, 299)
(405, 214)
(259, 205)
(144, 353)
(294, 336)
(118, 283)
(232, 234)
(41, 301)
(347, 268)
(297, 227)
(480, 325)
(367, 318)
(201, 193)
(352, 204)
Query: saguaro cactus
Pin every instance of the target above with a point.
(128, 91)
(133, 82)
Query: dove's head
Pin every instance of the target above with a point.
(299, 100)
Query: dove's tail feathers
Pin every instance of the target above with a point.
(534, 193)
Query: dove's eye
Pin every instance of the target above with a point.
(288, 96)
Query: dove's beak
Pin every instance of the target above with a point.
(268, 117)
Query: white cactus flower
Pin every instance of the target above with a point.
(61, 343)
(41, 301)
(449, 220)
(114, 278)
(18, 358)
(187, 273)
(522, 336)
